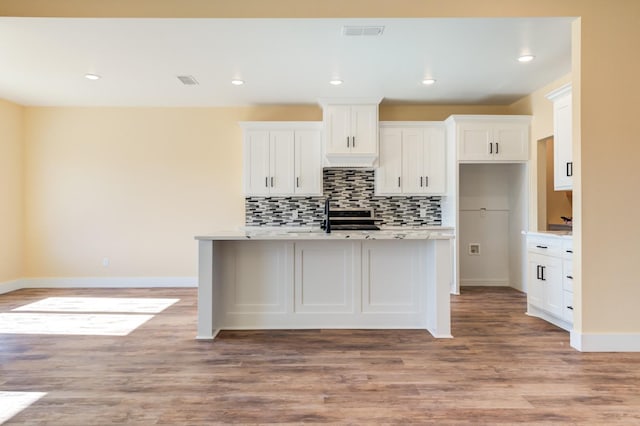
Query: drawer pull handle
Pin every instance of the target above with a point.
(570, 277)
(570, 307)
(569, 251)
(542, 247)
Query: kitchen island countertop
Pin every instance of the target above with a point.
(276, 233)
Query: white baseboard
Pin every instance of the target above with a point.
(8, 286)
(606, 342)
(99, 282)
(483, 283)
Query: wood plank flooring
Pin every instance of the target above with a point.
(501, 367)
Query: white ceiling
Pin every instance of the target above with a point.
(283, 61)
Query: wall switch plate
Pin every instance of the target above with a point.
(423, 213)
(474, 249)
(105, 261)
(294, 214)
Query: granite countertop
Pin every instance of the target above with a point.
(282, 233)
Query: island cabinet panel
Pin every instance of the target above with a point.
(391, 279)
(325, 276)
(258, 277)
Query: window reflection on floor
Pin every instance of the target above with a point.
(11, 403)
(99, 304)
(74, 324)
(82, 315)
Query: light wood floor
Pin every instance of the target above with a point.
(501, 367)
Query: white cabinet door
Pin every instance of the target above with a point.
(562, 144)
(364, 129)
(308, 162)
(510, 142)
(434, 161)
(256, 163)
(413, 157)
(553, 292)
(338, 129)
(389, 171)
(281, 177)
(535, 285)
(473, 141)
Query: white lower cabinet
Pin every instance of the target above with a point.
(549, 283)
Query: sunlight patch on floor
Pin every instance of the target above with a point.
(99, 304)
(71, 324)
(11, 403)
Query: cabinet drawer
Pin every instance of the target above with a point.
(567, 275)
(567, 248)
(567, 307)
(549, 246)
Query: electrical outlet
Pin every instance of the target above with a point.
(105, 261)
(423, 213)
(474, 249)
(294, 214)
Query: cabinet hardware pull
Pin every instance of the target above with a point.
(490, 147)
(570, 307)
(542, 277)
(426, 180)
(570, 277)
(542, 247)
(569, 168)
(297, 182)
(497, 148)
(398, 181)
(569, 251)
(347, 141)
(266, 182)
(272, 181)
(538, 272)
(353, 141)
(420, 181)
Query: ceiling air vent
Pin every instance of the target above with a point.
(355, 30)
(187, 80)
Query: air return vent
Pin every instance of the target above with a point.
(359, 30)
(187, 80)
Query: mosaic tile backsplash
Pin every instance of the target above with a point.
(348, 188)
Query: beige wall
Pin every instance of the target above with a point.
(134, 185)
(11, 192)
(606, 90)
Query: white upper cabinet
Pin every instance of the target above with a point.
(492, 138)
(282, 159)
(351, 133)
(308, 162)
(562, 138)
(412, 159)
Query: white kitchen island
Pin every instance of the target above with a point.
(283, 279)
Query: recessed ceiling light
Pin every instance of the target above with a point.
(92, 77)
(526, 58)
(428, 81)
(237, 82)
(335, 82)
